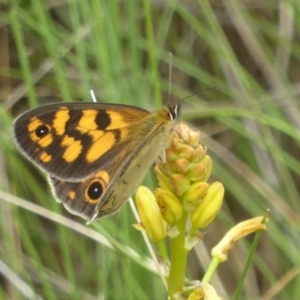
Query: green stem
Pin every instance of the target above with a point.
(211, 270)
(178, 259)
(162, 251)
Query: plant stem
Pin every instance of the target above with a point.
(162, 251)
(211, 270)
(178, 259)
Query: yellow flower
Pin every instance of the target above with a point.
(204, 292)
(170, 207)
(194, 195)
(149, 212)
(208, 209)
(240, 230)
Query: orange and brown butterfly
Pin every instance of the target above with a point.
(95, 154)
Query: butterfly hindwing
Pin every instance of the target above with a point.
(80, 198)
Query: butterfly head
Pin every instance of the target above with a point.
(173, 111)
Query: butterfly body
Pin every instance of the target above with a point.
(95, 154)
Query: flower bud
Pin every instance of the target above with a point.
(200, 171)
(186, 152)
(188, 135)
(194, 195)
(163, 179)
(171, 154)
(170, 207)
(182, 165)
(198, 154)
(180, 184)
(150, 215)
(208, 209)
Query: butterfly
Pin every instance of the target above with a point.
(95, 154)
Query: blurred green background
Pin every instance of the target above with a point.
(58, 50)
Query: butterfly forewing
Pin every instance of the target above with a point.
(64, 138)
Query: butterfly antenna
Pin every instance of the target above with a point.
(197, 94)
(93, 96)
(170, 75)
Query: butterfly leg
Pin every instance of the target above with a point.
(163, 161)
(179, 135)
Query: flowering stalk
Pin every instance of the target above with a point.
(183, 176)
(185, 197)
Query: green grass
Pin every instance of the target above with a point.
(58, 51)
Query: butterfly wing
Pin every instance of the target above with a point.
(72, 141)
(95, 154)
(101, 195)
(80, 198)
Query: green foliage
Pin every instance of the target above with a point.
(60, 50)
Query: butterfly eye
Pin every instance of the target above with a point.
(41, 131)
(95, 190)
